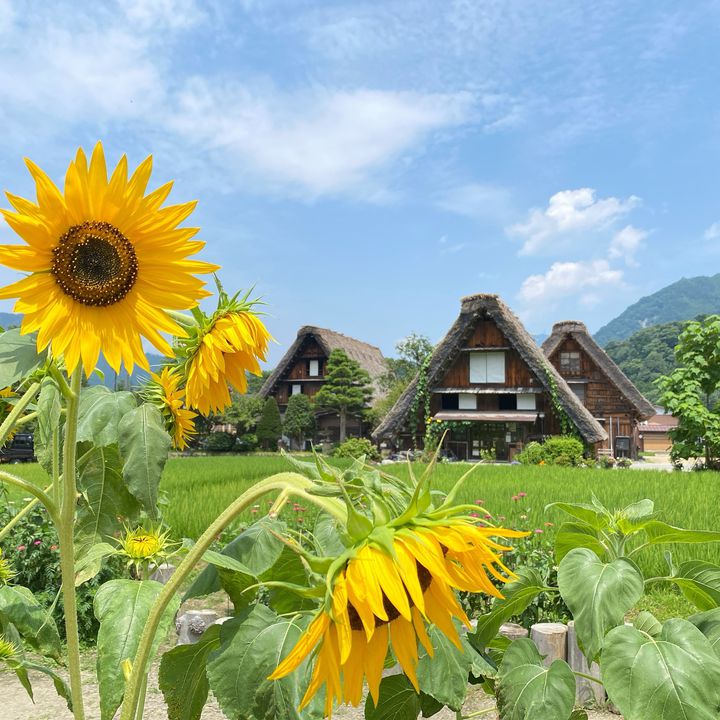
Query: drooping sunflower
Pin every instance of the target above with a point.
(179, 420)
(381, 599)
(105, 260)
(226, 349)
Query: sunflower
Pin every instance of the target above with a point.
(105, 262)
(179, 419)
(382, 599)
(230, 346)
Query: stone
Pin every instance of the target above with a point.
(162, 573)
(587, 691)
(551, 641)
(192, 624)
(512, 631)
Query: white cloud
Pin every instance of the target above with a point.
(713, 232)
(478, 201)
(154, 14)
(570, 278)
(626, 243)
(569, 212)
(320, 141)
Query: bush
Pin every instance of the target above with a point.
(563, 461)
(220, 442)
(624, 462)
(247, 442)
(531, 454)
(566, 445)
(488, 455)
(355, 447)
(606, 461)
(32, 549)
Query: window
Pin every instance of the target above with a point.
(487, 367)
(526, 401)
(296, 389)
(449, 401)
(467, 401)
(507, 402)
(570, 362)
(313, 368)
(579, 390)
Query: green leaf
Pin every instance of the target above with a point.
(634, 517)
(48, 419)
(699, 582)
(527, 690)
(660, 532)
(144, 446)
(397, 701)
(100, 413)
(183, 676)
(708, 623)
(597, 517)
(518, 596)
(18, 356)
(327, 536)
(571, 535)
(88, 564)
(257, 548)
(104, 504)
(252, 645)
(676, 675)
(123, 607)
(288, 568)
(61, 687)
(429, 706)
(19, 606)
(646, 622)
(445, 675)
(598, 594)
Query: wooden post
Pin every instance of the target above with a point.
(587, 691)
(551, 641)
(512, 631)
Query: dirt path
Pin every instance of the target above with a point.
(16, 705)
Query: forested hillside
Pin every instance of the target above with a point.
(683, 300)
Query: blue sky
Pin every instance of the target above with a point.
(365, 164)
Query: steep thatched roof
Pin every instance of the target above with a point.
(369, 357)
(474, 308)
(578, 332)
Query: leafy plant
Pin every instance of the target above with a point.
(220, 442)
(269, 429)
(356, 447)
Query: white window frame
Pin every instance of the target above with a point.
(296, 389)
(526, 401)
(314, 369)
(467, 401)
(495, 367)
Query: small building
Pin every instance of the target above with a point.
(302, 370)
(491, 384)
(600, 385)
(655, 433)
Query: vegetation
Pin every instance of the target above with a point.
(299, 421)
(269, 428)
(355, 448)
(563, 450)
(692, 391)
(346, 390)
(647, 355)
(683, 300)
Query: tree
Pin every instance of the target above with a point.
(244, 413)
(299, 418)
(269, 429)
(346, 390)
(255, 382)
(692, 390)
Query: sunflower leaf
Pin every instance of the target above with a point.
(398, 700)
(48, 419)
(19, 607)
(18, 356)
(100, 413)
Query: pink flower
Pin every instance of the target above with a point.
(254, 511)
(538, 531)
(53, 547)
(38, 542)
(515, 498)
(479, 502)
(488, 517)
(21, 547)
(522, 494)
(474, 515)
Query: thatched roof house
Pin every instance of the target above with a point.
(600, 384)
(489, 377)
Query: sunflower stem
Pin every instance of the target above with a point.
(185, 321)
(67, 543)
(60, 380)
(20, 515)
(11, 420)
(28, 487)
(292, 482)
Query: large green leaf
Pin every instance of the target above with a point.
(20, 668)
(288, 568)
(571, 535)
(105, 503)
(183, 676)
(144, 446)
(326, 536)
(48, 419)
(635, 517)
(445, 675)
(660, 532)
(597, 517)
(18, 356)
(100, 413)
(674, 676)
(699, 582)
(598, 594)
(708, 623)
(527, 690)
(19, 607)
(397, 701)
(252, 645)
(646, 622)
(257, 548)
(518, 596)
(123, 607)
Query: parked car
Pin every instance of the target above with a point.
(20, 449)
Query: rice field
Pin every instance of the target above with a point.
(197, 489)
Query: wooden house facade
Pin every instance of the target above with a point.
(490, 382)
(607, 393)
(302, 370)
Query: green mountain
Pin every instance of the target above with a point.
(683, 300)
(646, 355)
